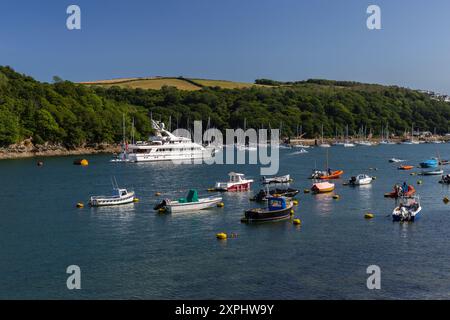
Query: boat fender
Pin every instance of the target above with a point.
(80, 205)
(297, 222)
(221, 236)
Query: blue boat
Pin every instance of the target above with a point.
(278, 208)
(432, 163)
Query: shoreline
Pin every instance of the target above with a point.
(8, 154)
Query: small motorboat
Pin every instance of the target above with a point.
(119, 196)
(432, 163)
(189, 204)
(278, 208)
(332, 175)
(237, 182)
(399, 192)
(405, 167)
(281, 179)
(322, 187)
(395, 160)
(445, 179)
(432, 172)
(263, 195)
(407, 211)
(361, 179)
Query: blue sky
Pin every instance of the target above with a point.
(235, 39)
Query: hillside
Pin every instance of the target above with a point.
(75, 115)
(180, 83)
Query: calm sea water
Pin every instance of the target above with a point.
(133, 252)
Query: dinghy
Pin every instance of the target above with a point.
(281, 179)
(278, 208)
(395, 160)
(189, 204)
(407, 211)
(432, 172)
(332, 175)
(399, 192)
(405, 167)
(432, 163)
(322, 187)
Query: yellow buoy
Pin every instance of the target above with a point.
(369, 216)
(297, 222)
(157, 194)
(292, 211)
(306, 191)
(162, 210)
(221, 236)
(419, 182)
(84, 162)
(211, 189)
(221, 204)
(295, 202)
(446, 200)
(336, 197)
(80, 205)
(136, 200)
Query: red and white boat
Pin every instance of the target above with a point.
(237, 182)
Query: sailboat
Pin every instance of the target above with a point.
(123, 155)
(411, 141)
(347, 143)
(322, 144)
(328, 174)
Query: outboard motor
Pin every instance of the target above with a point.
(162, 204)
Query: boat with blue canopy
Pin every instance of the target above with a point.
(278, 208)
(431, 163)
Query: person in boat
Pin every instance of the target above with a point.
(329, 171)
(405, 187)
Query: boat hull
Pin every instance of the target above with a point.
(202, 204)
(333, 175)
(255, 215)
(111, 202)
(235, 187)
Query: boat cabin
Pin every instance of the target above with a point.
(236, 177)
(120, 192)
(192, 196)
(277, 203)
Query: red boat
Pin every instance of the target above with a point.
(398, 192)
(237, 182)
(333, 175)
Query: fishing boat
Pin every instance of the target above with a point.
(436, 172)
(281, 179)
(237, 182)
(431, 163)
(360, 179)
(189, 204)
(405, 167)
(399, 192)
(407, 211)
(322, 187)
(278, 208)
(263, 195)
(395, 160)
(119, 196)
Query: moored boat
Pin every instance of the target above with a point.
(395, 160)
(407, 211)
(431, 163)
(445, 179)
(237, 182)
(322, 187)
(281, 179)
(263, 195)
(437, 172)
(278, 208)
(119, 196)
(405, 167)
(332, 175)
(360, 179)
(190, 203)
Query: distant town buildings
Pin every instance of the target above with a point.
(436, 96)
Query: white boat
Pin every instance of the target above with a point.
(165, 146)
(300, 146)
(432, 172)
(299, 152)
(408, 210)
(237, 182)
(364, 143)
(324, 145)
(395, 160)
(360, 179)
(191, 203)
(349, 145)
(119, 196)
(281, 179)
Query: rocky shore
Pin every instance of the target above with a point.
(27, 149)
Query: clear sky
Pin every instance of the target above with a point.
(234, 39)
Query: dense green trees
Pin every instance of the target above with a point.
(72, 114)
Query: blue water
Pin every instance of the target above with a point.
(133, 252)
